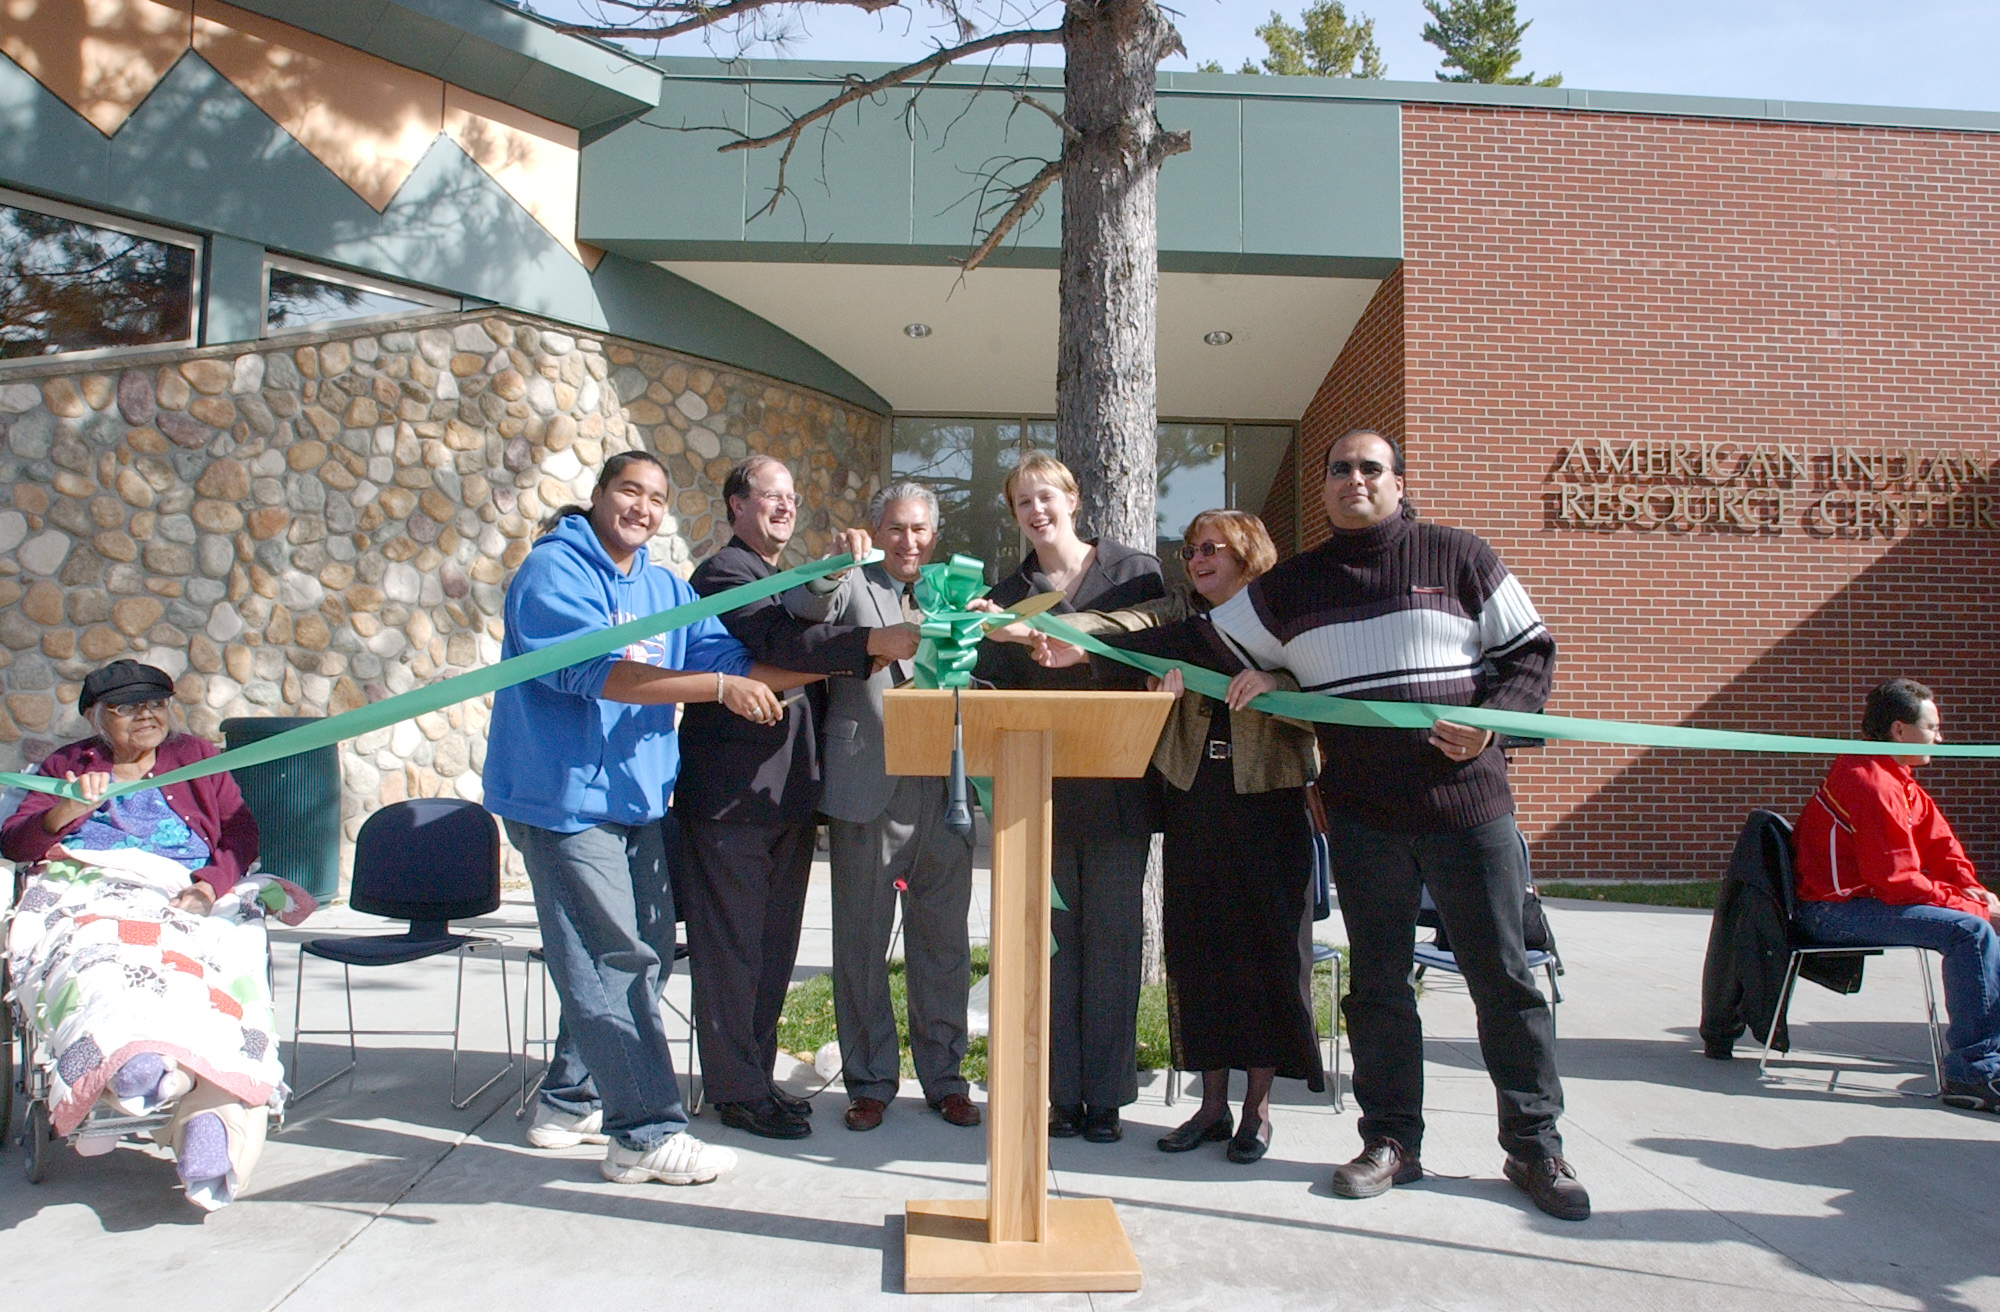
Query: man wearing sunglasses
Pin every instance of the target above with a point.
(1395, 609)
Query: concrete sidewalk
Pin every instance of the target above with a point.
(1827, 1188)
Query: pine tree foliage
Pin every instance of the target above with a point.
(1482, 40)
(1327, 44)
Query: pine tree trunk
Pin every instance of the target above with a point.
(1107, 412)
(1106, 407)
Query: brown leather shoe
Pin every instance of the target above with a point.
(1552, 1184)
(958, 1109)
(1383, 1162)
(865, 1113)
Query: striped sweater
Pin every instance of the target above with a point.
(1401, 611)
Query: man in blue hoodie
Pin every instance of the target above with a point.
(580, 764)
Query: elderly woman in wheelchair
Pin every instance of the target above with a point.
(136, 951)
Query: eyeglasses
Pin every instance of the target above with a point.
(1370, 469)
(792, 499)
(133, 710)
(1204, 549)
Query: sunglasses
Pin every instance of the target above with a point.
(1191, 550)
(1370, 469)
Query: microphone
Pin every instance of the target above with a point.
(957, 815)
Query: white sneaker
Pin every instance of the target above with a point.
(555, 1128)
(677, 1159)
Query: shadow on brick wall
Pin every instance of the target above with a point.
(1919, 611)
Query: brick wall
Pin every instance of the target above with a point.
(1585, 276)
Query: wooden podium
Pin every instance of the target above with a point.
(1017, 1240)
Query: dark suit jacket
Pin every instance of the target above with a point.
(749, 773)
(1086, 810)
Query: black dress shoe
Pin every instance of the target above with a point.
(1188, 1137)
(796, 1106)
(763, 1117)
(1065, 1122)
(1552, 1184)
(1247, 1146)
(1383, 1162)
(1100, 1125)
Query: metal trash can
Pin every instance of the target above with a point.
(296, 803)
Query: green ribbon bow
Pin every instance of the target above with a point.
(950, 634)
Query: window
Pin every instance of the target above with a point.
(965, 459)
(299, 296)
(72, 282)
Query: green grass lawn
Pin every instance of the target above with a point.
(807, 1021)
(1693, 893)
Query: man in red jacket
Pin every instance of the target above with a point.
(1878, 866)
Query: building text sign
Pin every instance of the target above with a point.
(1771, 487)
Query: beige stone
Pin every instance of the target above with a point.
(236, 659)
(516, 553)
(321, 422)
(302, 456)
(142, 524)
(98, 390)
(164, 587)
(463, 437)
(147, 442)
(107, 512)
(362, 412)
(210, 377)
(171, 390)
(30, 499)
(44, 603)
(115, 545)
(10, 592)
(400, 549)
(397, 502)
(311, 632)
(338, 476)
(134, 615)
(73, 485)
(59, 644)
(418, 630)
(366, 623)
(337, 575)
(100, 643)
(307, 361)
(561, 432)
(203, 654)
(428, 560)
(31, 710)
(224, 480)
(465, 364)
(279, 631)
(60, 395)
(347, 696)
(509, 385)
(217, 516)
(364, 597)
(437, 505)
(215, 411)
(485, 569)
(334, 358)
(368, 521)
(462, 650)
(268, 522)
(433, 725)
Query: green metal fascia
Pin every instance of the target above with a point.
(1029, 257)
(1267, 87)
(487, 47)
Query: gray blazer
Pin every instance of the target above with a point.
(855, 785)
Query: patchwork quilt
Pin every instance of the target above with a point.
(104, 969)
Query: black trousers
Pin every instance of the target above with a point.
(1095, 974)
(743, 887)
(1478, 878)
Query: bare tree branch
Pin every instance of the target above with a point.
(1068, 129)
(859, 90)
(1026, 197)
(678, 17)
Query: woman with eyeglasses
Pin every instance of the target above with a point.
(1102, 827)
(203, 823)
(1238, 859)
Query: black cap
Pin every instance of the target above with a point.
(122, 683)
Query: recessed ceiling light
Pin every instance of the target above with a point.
(916, 330)
(1216, 338)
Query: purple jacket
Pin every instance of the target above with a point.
(212, 807)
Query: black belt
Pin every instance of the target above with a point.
(1218, 750)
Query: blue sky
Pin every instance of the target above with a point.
(1935, 53)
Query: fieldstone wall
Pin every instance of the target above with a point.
(328, 519)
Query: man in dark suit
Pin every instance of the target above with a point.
(887, 835)
(745, 801)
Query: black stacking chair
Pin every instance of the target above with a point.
(428, 861)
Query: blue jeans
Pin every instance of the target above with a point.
(605, 901)
(1971, 968)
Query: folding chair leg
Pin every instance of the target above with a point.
(1930, 1014)
(530, 1088)
(1778, 1016)
(457, 1011)
(298, 1003)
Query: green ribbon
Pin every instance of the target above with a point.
(1318, 708)
(463, 687)
(950, 634)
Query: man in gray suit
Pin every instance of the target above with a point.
(886, 832)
